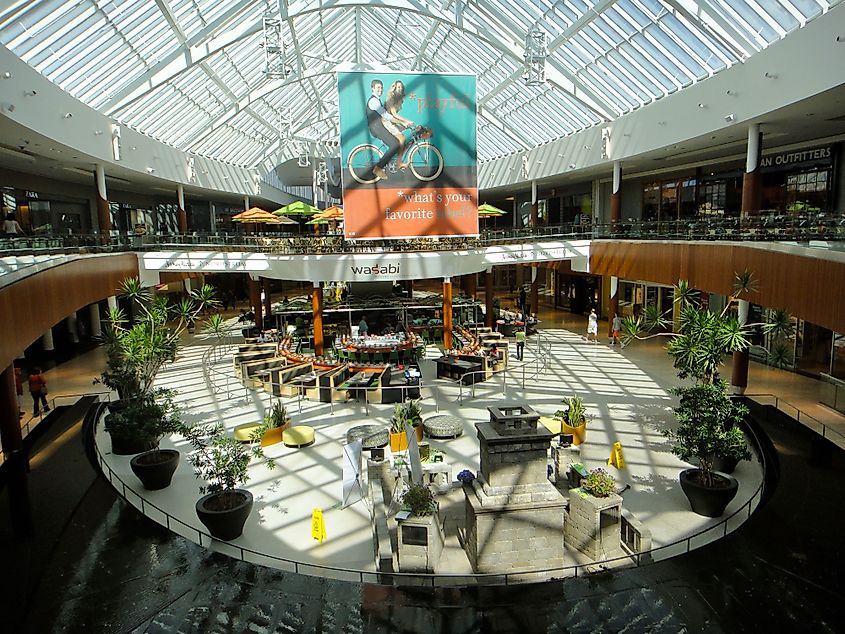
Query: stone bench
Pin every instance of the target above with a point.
(371, 436)
(443, 426)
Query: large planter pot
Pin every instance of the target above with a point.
(578, 433)
(708, 501)
(273, 436)
(155, 468)
(131, 444)
(398, 442)
(224, 523)
(725, 465)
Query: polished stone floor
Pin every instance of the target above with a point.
(96, 565)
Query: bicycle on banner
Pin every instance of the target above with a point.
(420, 156)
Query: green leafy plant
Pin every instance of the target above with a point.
(419, 499)
(707, 427)
(599, 483)
(413, 412)
(278, 417)
(575, 413)
(149, 417)
(221, 461)
(397, 421)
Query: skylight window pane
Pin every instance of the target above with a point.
(779, 14)
(757, 25)
(808, 8)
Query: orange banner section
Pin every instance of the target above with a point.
(383, 212)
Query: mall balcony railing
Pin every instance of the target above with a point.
(767, 226)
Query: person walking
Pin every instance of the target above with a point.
(11, 227)
(615, 328)
(593, 326)
(520, 343)
(38, 390)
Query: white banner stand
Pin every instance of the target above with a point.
(352, 488)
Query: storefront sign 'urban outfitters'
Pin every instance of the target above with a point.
(799, 156)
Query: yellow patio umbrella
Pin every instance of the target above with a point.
(255, 215)
(331, 213)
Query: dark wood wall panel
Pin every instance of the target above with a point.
(808, 287)
(32, 305)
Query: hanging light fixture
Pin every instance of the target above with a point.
(536, 52)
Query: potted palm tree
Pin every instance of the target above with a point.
(137, 347)
(573, 420)
(222, 462)
(707, 417)
(398, 435)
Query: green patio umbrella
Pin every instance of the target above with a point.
(318, 221)
(489, 211)
(297, 208)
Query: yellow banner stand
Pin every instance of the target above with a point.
(318, 528)
(616, 458)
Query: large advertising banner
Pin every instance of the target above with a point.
(408, 154)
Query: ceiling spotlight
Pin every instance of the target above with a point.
(586, 147)
(661, 123)
(702, 105)
(730, 93)
(97, 132)
(150, 170)
(9, 107)
(839, 38)
(7, 75)
(67, 115)
(770, 75)
(29, 93)
(572, 166)
(729, 117)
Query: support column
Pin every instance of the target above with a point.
(534, 204)
(447, 313)
(16, 461)
(472, 285)
(739, 372)
(73, 327)
(534, 300)
(268, 303)
(317, 307)
(255, 302)
(47, 341)
(103, 213)
(616, 198)
(409, 288)
(613, 303)
(488, 297)
(183, 215)
(246, 203)
(752, 183)
(94, 312)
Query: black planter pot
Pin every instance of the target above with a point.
(224, 524)
(155, 468)
(129, 445)
(708, 501)
(725, 465)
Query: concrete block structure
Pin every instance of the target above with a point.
(593, 525)
(514, 516)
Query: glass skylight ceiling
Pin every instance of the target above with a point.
(191, 73)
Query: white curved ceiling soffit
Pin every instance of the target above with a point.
(191, 73)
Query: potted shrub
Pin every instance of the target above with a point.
(413, 414)
(573, 420)
(154, 417)
(707, 430)
(707, 418)
(136, 349)
(276, 422)
(599, 483)
(222, 462)
(398, 435)
(419, 500)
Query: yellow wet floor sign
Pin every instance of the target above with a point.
(318, 528)
(616, 458)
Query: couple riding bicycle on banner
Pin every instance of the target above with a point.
(386, 124)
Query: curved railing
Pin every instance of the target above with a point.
(636, 559)
(155, 512)
(765, 227)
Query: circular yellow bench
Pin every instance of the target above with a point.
(552, 423)
(243, 433)
(298, 436)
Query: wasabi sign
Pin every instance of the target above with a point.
(408, 154)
